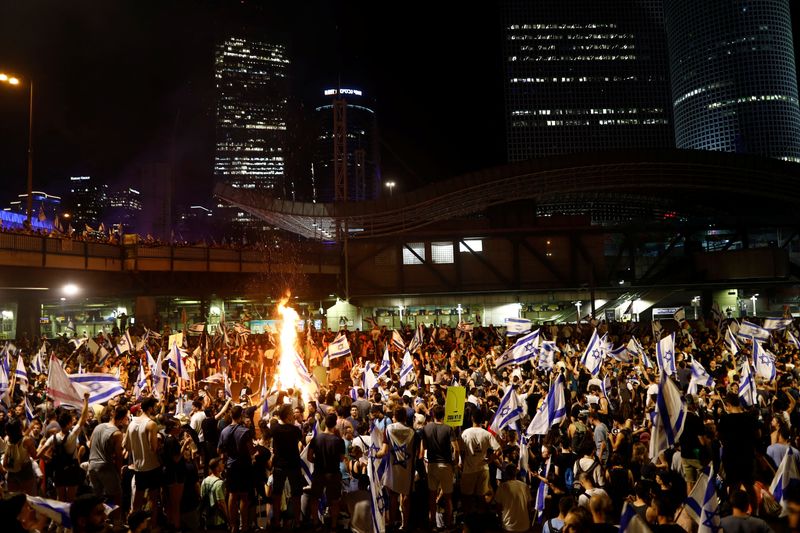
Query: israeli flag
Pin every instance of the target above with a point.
(524, 458)
(730, 338)
(141, 382)
(631, 522)
(124, 344)
(552, 411)
(547, 355)
(406, 369)
(752, 331)
(620, 354)
(747, 386)
(793, 339)
(541, 493)
(764, 361)
(786, 475)
(101, 387)
(523, 350)
(377, 471)
(306, 466)
(29, 410)
(508, 412)
(517, 326)
(709, 515)
(592, 357)
(397, 340)
(339, 347)
(777, 323)
(699, 377)
(665, 354)
(419, 338)
(22, 374)
(369, 380)
(669, 417)
(176, 361)
(386, 364)
(694, 502)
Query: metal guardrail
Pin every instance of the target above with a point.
(42, 251)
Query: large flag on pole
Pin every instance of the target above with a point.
(665, 354)
(786, 475)
(419, 338)
(522, 350)
(101, 387)
(377, 470)
(752, 331)
(777, 323)
(339, 347)
(764, 362)
(699, 377)
(397, 340)
(552, 411)
(406, 369)
(386, 364)
(669, 417)
(22, 374)
(747, 385)
(517, 326)
(508, 412)
(593, 355)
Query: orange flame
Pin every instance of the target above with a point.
(288, 374)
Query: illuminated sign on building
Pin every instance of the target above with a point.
(332, 92)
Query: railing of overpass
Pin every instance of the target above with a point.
(55, 252)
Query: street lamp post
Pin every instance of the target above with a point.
(578, 316)
(390, 185)
(754, 298)
(12, 80)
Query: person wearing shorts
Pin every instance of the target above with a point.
(475, 469)
(440, 446)
(326, 452)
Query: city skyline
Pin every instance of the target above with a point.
(437, 119)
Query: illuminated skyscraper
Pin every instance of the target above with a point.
(734, 82)
(584, 75)
(252, 105)
(363, 175)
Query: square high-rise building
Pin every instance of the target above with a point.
(585, 75)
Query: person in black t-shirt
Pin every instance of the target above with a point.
(738, 435)
(326, 452)
(287, 441)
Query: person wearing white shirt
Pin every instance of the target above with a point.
(475, 468)
(514, 499)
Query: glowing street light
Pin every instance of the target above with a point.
(754, 298)
(70, 289)
(390, 185)
(13, 80)
(578, 317)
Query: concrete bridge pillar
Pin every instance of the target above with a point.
(29, 313)
(145, 311)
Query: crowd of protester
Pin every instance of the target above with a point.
(205, 455)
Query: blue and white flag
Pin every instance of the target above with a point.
(793, 339)
(227, 384)
(670, 415)
(306, 466)
(547, 355)
(694, 501)
(541, 492)
(787, 475)
(523, 350)
(406, 369)
(124, 344)
(764, 362)
(517, 326)
(22, 375)
(508, 412)
(37, 365)
(369, 380)
(777, 323)
(524, 458)
(730, 339)
(747, 385)
(752, 331)
(699, 377)
(386, 365)
(397, 341)
(101, 387)
(176, 355)
(339, 347)
(29, 410)
(419, 338)
(141, 382)
(709, 515)
(631, 522)
(665, 354)
(594, 353)
(552, 411)
(377, 471)
(620, 354)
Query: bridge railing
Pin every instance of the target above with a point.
(54, 252)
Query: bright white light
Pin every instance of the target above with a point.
(215, 310)
(70, 289)
(122, 310)
(7, 315)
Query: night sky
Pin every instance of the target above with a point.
(119, 84)
(124, 83)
